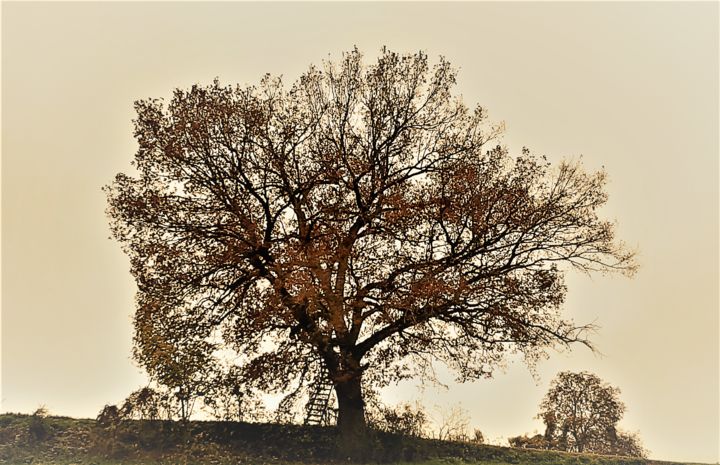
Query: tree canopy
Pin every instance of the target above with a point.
(362, 223)
(581, 413)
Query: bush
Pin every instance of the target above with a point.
(147, 404)
(403, 419)
(108, 416)
(629, 445)
(478, 437)
(525, 442)
(38, 428)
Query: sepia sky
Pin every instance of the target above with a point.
(632, 87)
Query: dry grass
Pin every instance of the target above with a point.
(61, 440)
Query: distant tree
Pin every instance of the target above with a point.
(581, 413)
(363, 224)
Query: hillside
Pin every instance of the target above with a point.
(62, 440)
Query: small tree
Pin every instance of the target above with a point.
(581, 413)
(148, 404)
(452, 425)
(178, 357)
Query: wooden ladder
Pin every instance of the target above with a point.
(317, 410)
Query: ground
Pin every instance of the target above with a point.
(28, 439)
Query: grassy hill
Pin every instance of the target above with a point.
(27, 439)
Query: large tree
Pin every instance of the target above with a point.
(362, 223)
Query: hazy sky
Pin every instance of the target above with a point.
(632, 87)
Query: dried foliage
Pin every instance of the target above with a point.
(364, 220)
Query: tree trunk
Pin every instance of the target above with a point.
(351, 417)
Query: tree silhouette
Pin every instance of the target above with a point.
(364, 222)
(581, 413)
